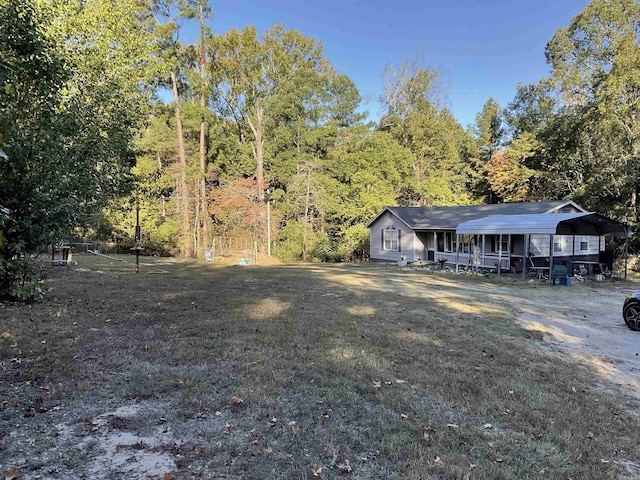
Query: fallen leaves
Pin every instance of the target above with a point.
(11, 474)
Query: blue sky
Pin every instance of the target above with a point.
(483, 49)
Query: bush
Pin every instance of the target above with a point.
(20, 275)
(327, 250)
(22, 280)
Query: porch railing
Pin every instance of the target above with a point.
(486, 261)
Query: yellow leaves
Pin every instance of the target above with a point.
(12, 473)
(322, 418)
(6, 335)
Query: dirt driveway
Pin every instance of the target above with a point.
(583, 321)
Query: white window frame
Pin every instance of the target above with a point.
(557, 245)
(496, 247)
(583, 241)
(388, 240)
(449, 241)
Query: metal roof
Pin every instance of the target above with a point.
(448, 218)
(584, 223)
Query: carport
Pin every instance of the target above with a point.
(583, 223)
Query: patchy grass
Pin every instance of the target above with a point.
(292, 372)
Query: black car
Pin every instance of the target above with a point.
(631, 311)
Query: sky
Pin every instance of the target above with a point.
(482, 49)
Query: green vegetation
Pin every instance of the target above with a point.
(87, 132)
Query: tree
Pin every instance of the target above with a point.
(69, 104)
(171, 55)
(596, 69)
(489, 135)
(368, 172)
(507, 173)
(247, 72)
(418, 121)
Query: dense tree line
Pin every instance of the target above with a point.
(102, 106)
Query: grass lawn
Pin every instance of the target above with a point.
(291, 371)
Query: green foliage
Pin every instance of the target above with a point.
(69, 103)
(355, 242)
(489, 135)
(439, 147)
(328, 250)
(288, 247)
(579, 129)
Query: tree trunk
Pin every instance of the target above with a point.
(258, 145)
(306, 215)
(183, 195)
(203, 224)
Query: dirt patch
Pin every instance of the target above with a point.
(583, 321)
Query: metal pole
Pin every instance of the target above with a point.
(137, 236)
(268, 224)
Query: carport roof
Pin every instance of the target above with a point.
(583, 223)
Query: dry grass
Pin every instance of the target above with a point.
(295, 372)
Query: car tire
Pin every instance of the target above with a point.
(631, 315)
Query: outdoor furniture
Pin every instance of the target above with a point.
(539, 271)
(560, 273)
(442, 261)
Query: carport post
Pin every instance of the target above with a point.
(550, 258)
(525, 258)
(499, 254)
(457, 250)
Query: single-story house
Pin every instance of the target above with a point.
(510, 235)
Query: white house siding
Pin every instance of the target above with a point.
(539, 245)
(410, 247)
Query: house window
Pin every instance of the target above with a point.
(446, 241)
(582, 243)
(465, 243)
(500, 246)
(390, 240)
(557, 246)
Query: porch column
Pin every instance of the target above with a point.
(550, 258)
(525, 258)
(499, 254)
(435, 246)
(484, 241)
(509, 251)
(457, 250)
